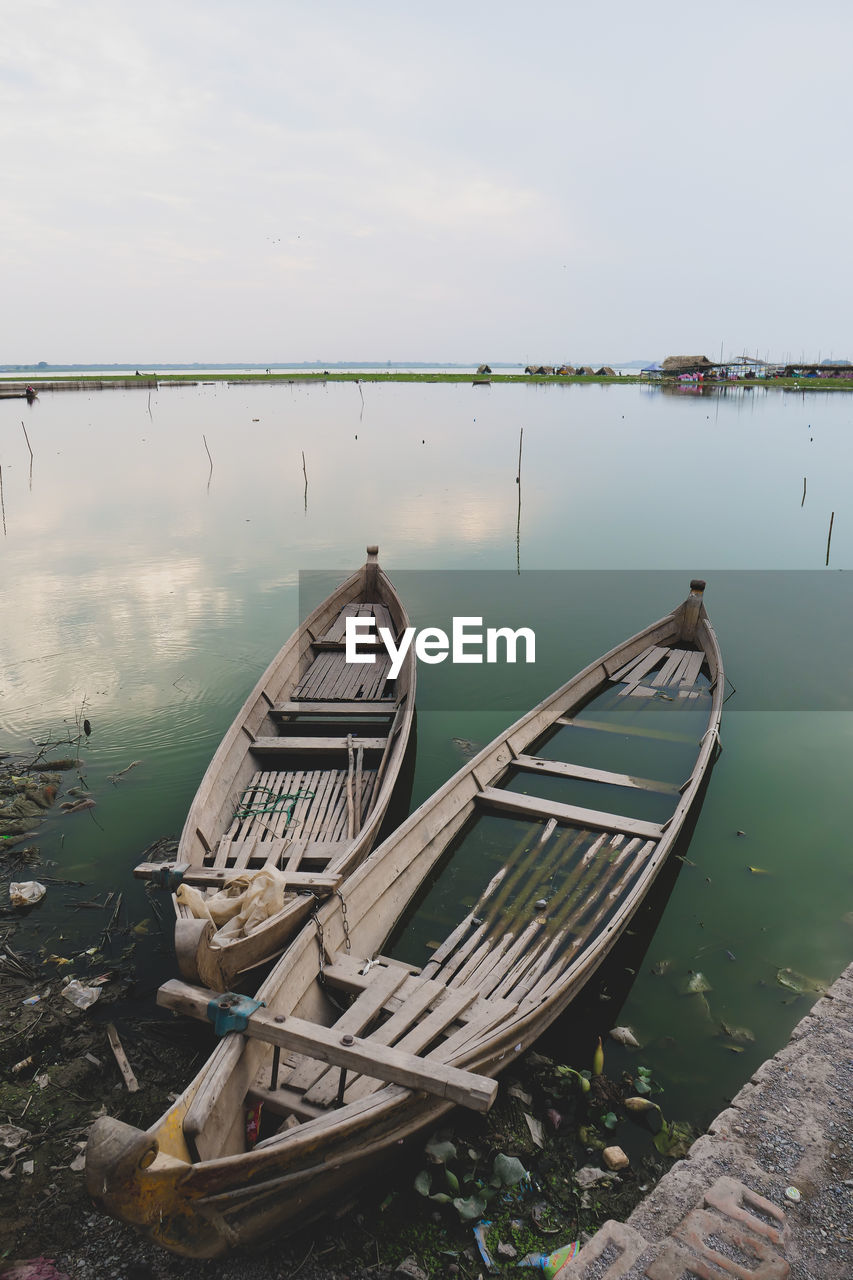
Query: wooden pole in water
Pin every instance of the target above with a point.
(803, 503)
(829, 537)
(518, 520)
(27, 438)
(204, 438)
(2, 504)
(305, 473)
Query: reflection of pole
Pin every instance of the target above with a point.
(829, 538)
(518, 521)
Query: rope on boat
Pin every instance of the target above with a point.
(282, 803)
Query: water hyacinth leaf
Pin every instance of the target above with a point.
(470, 1209)
(423, 1182)
(642, 1085)
(439, 1152)
(610, 1121)
(440, 1198)
(508, 1171)
(451, 1180)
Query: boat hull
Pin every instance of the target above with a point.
(516, 985)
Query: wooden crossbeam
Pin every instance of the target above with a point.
(354, 707)
(632, 730)
(394, 1066)
(512, 802)
(317, 882)
(562, 769)
(299, 745)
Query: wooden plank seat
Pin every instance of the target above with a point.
(304, 745)
(354, 708)
(663, 667)
(419, 1013)
(510, 801)
(337, 631)
(218, 877)
(330, 677)
(309, 806)
(632, 730)
(562, 769)
(503, 951)
(345, 1049)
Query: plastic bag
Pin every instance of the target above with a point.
(78, 995)
(26, 893)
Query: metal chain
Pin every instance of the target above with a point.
(347, 943)
(321, 942)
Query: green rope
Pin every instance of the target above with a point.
(281, 803)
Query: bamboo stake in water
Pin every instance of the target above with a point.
(305, 473)
(2, 503)
(204, 438)
(518, 521)
(829, 537)
(30, 447)
(803, 503)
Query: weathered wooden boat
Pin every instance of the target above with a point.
(294, 797)
(306, 1093)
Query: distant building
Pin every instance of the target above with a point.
(676, 365)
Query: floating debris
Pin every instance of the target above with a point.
(624, 1035)
(799, 983)
(26, 893)
(696, 984)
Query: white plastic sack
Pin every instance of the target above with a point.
(244, 903)
(26, 893)
(78, 995)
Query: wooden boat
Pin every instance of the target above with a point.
(306, 1094)
(294, 797)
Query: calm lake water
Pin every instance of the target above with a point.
(147, 592)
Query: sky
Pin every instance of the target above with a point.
(272, 181)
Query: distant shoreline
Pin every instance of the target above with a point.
(10, 383)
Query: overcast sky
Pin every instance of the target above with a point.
(274, 181)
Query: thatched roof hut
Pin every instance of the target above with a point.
(605, 372)
(686, 364)
(566, 370)
(484, 368)
(587, 371)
